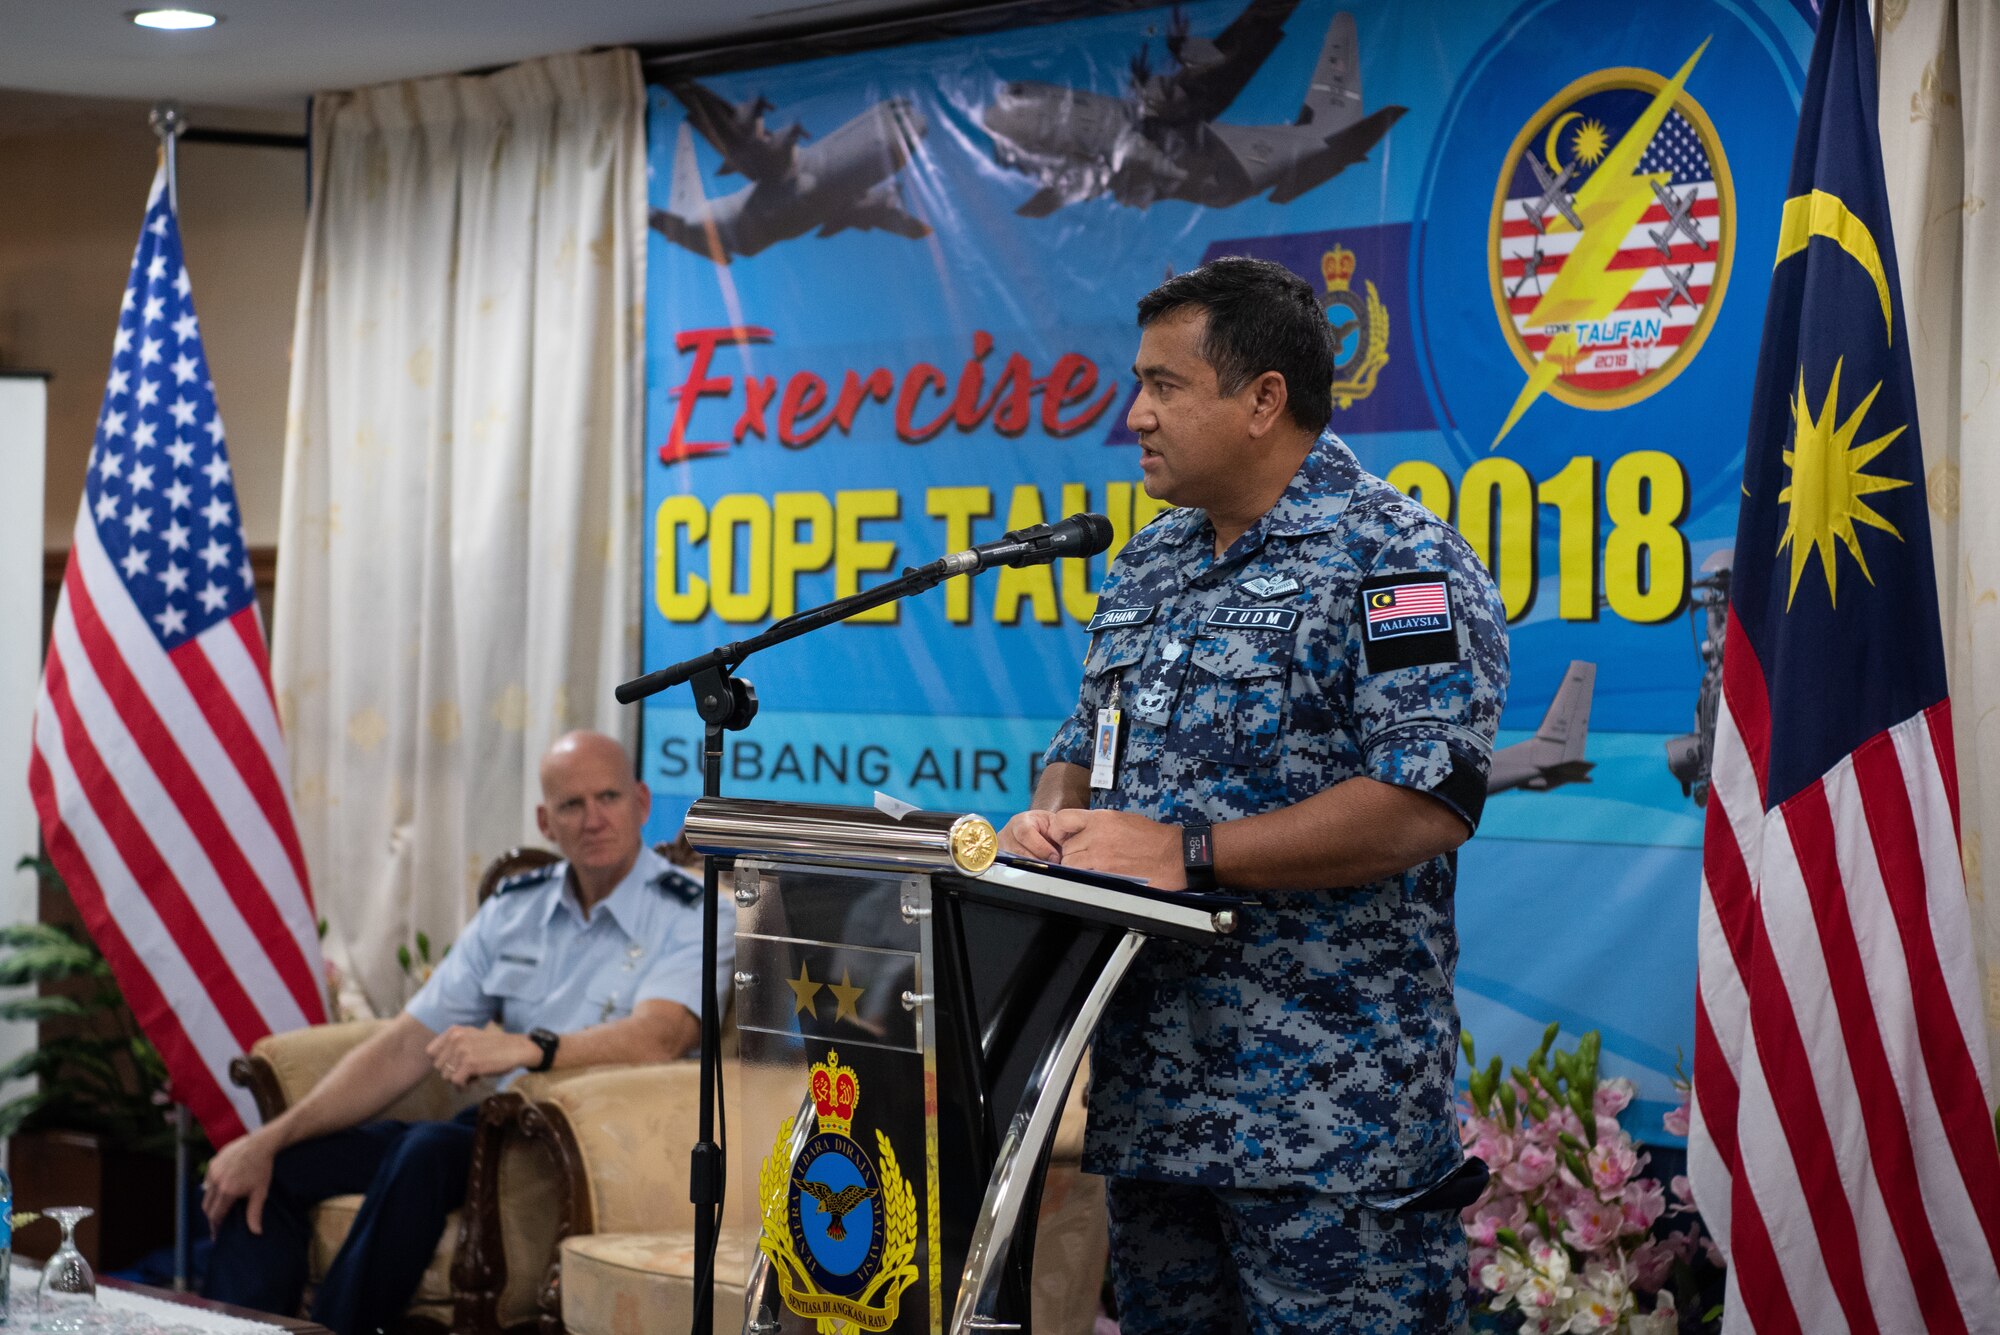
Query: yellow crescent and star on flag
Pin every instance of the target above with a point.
(1826, 496)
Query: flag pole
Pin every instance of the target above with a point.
(169, 124)
(181, 1239)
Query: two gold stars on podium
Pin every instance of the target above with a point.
(805, 991)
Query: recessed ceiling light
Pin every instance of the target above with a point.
(173, 19)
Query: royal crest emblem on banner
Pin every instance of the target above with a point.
(840, 1228)
(1610, 239)
(1360, 329)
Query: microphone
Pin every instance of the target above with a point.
(1079, 535)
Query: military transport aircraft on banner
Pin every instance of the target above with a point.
(1554, 755)
(1161, 140)
(846, 179)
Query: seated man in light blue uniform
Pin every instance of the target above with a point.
(594, 960)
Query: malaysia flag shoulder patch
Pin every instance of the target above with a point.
(1406, 620)
(1413, 607)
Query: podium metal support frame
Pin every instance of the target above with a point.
(1024, 1149)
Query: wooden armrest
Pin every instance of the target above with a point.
(561, 1153)
(621, 1137)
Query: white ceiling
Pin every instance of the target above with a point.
(273, 53)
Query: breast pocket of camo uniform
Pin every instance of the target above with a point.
(1232, 709)
(1110, 677)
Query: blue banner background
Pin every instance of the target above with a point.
(1576, 904)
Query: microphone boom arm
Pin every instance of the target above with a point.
(914, 579)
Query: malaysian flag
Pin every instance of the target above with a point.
(1842, 1145)
(157, 767)
(1407, 600)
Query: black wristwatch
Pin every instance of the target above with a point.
(548, 1042)
(1198, 854)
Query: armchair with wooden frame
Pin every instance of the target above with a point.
(618, 1139)
(486, 1273)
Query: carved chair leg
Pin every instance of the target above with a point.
(552, 1322)
(479, 1264)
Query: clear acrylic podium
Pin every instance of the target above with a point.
(911, 1012)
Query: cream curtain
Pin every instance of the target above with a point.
(1940, 111)
(458, 570)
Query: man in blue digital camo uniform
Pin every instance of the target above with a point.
(1298, 674)
(592, 960)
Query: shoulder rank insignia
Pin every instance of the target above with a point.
(529, 879)
(841, 1234)
(681, 883)
(1266, 586)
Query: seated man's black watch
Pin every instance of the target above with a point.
(547, 1042)
(1198, 854)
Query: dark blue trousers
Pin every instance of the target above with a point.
(412, 1175)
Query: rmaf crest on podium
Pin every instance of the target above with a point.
(839, 1228)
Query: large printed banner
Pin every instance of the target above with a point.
(891, 315)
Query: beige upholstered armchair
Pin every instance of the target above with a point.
(619, 1139)
(504, 1227)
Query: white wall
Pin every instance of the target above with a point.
(73, 178)
(23, 432)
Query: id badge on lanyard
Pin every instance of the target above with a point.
(1104, 753)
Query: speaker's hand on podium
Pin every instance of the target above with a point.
(1118, 842)
(1028, 835)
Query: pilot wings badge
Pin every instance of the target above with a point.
(841, 1235)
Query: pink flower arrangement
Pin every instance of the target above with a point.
(1563, 1233)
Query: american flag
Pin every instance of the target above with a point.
(1842, 1144)
(1407, 600)
(1656, 316)
(157, 768)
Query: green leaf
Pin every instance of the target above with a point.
(423, 948)
(42, 1008)
(32, 933)
(47, 964)
(27, 1064)
(15, 1113)
(1465, 1045)
(1548, 1038)
(403, 957)
(43, 868)
(322, 929)
(1509, 1104)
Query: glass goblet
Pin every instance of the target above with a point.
(68, 1289)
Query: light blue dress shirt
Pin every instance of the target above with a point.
(531, 960)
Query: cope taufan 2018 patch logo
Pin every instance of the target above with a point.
(841, 1236)
(1610, 239)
